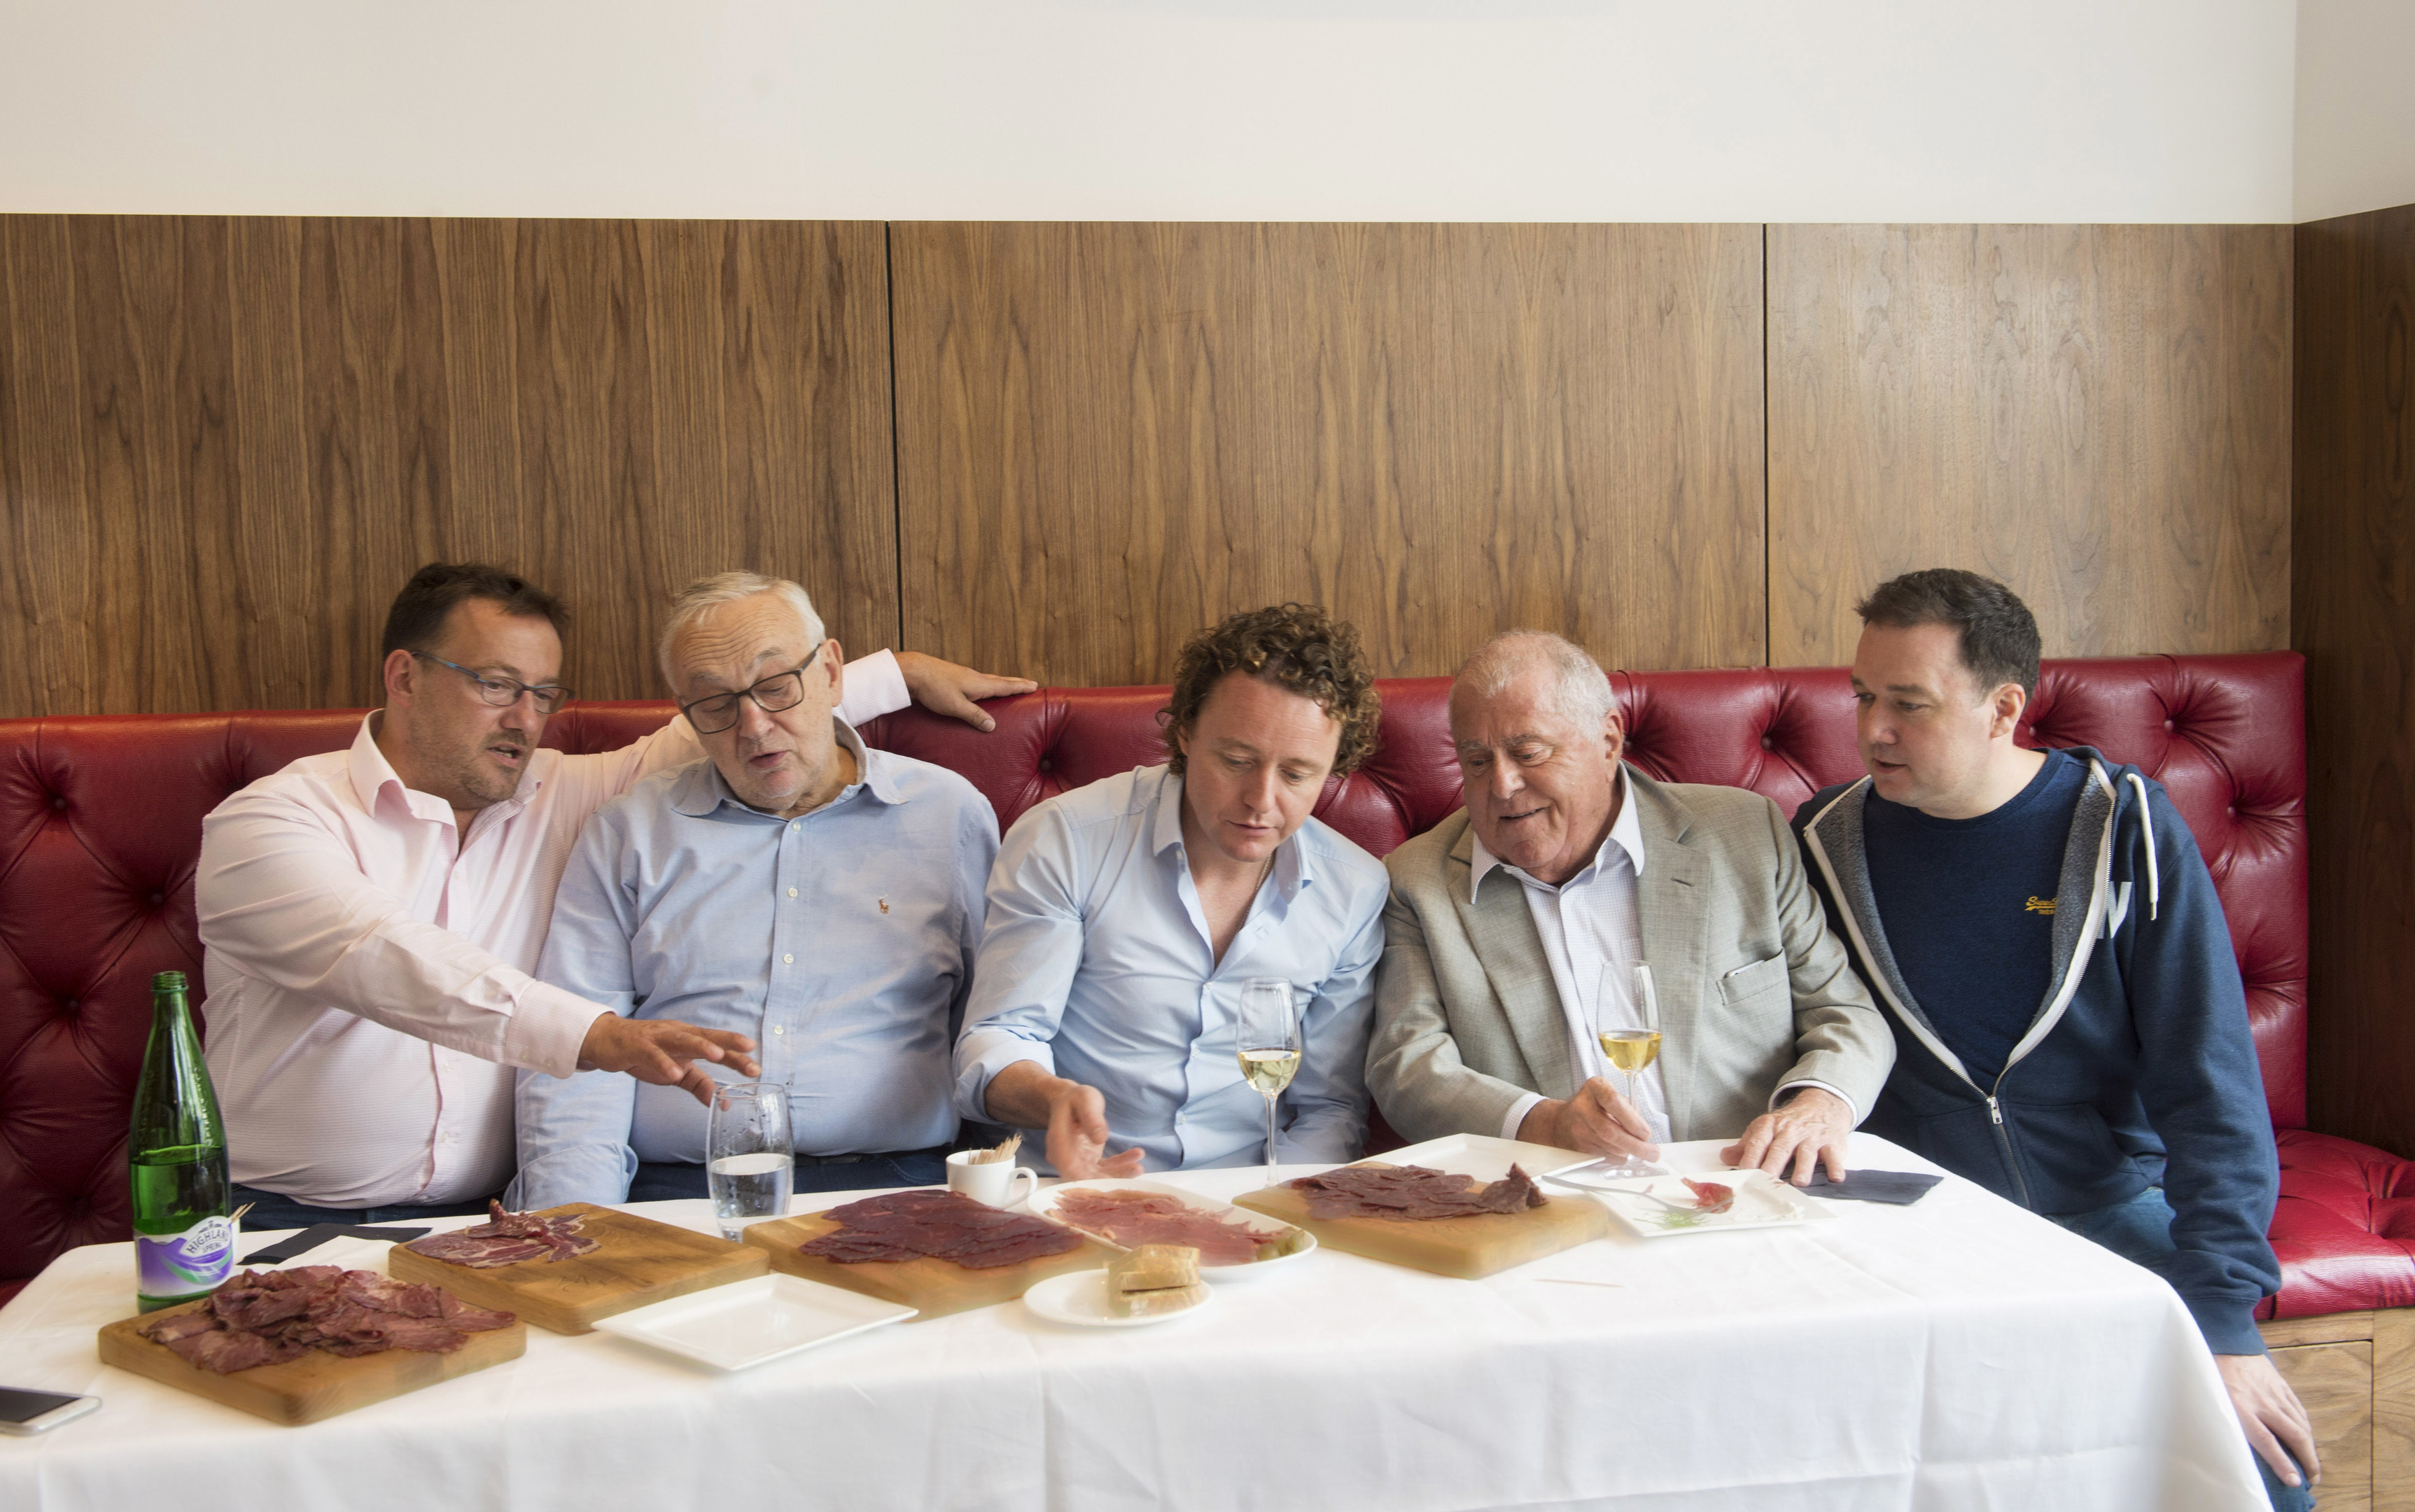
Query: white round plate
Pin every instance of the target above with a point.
(1043, 1204)
(1081, 1298)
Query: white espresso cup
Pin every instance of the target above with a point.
(990, 1181)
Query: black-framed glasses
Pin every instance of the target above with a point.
(773, 694)
(503, 692)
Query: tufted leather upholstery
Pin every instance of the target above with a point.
(100, 823)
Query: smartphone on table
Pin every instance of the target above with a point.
(39, 1412)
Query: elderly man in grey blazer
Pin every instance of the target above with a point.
(1574, 894)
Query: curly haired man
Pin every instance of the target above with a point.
(1125, 919)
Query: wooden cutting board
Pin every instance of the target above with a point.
(933, 1287)
(639, 1261)
(317, 1385)
(1465, 1247)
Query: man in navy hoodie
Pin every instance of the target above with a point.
(2070, 1028)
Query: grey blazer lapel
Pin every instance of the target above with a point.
(1502, 930)
(1673, 910)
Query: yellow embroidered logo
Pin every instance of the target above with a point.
(884, 905)
(2039, 906)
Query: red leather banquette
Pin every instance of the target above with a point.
(100, 822)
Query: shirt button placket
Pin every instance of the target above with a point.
(783, 995)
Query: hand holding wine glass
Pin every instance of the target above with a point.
(1268, 1043)
(1628, 1047)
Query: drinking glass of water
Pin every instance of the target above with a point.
(750, 1158)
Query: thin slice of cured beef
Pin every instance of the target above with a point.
(943, 1225)
(1412, 1193)
(506, 1238)
(1132, 1219)
(265, 1317)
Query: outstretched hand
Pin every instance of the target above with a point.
(664, 1052)
(1078, 1136)
(945, 688)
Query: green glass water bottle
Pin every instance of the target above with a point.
(184, 1241)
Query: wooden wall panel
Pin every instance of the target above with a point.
(225, 442)
(1110, 435)
(2353, 617)
(2097, 415)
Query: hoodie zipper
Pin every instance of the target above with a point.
(2004, 1136)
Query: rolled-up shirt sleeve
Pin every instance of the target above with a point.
(1030, 950)
(876, 685)
(282, 891)
(574, 1130)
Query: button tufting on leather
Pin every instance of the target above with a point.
(1768, 744)
(1047, 765)
(159, 898)
(67, 1005)
(58, 801)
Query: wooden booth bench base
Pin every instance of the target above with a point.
(2355, 1372)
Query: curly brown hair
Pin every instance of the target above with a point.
(1298, 648)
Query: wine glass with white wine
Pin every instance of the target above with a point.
(1268, 1046)
(1630, 1049)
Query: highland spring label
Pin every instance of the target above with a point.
(180, 1265)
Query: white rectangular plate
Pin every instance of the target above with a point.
(1761, 1202)
(1043, 1204)
(746, 1323)
(1480, 1156)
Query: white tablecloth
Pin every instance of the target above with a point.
(1958, 1354)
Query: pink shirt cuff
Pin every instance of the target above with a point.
(547, 1027)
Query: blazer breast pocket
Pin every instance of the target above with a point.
(1746, 983)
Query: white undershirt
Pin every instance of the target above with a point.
(1592, 931)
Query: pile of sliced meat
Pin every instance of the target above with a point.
(506, 1238)
(944, 1225)
(1412, 1191)
(264, 1317)
(1132, 1219)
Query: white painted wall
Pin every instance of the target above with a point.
(2356, 106)
(1324, 110)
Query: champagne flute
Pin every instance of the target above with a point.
(1268, 1043)
(1630, 1050)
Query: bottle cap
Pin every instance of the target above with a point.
(168, 981)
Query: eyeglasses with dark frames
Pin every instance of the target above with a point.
(775, 695)
(503, 692)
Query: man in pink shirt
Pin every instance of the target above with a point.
(371, 917)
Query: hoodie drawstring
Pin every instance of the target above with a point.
(2147, 822)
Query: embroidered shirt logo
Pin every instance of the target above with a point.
(884, 905)
(2039, 906)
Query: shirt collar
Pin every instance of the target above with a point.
(373, 777)
(1292, 869)
(1626, 833)
(699, 788)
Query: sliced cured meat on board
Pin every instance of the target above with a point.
(944, 1225)
(506, 1238)
(1410, 1192)
(264, 1317)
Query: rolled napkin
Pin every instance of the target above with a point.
(1898, 1188)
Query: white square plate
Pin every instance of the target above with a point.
(746, 1323)
(1761, 1202)
(1480, 1156)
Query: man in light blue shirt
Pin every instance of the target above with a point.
(821, 897)
(1126, 916)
